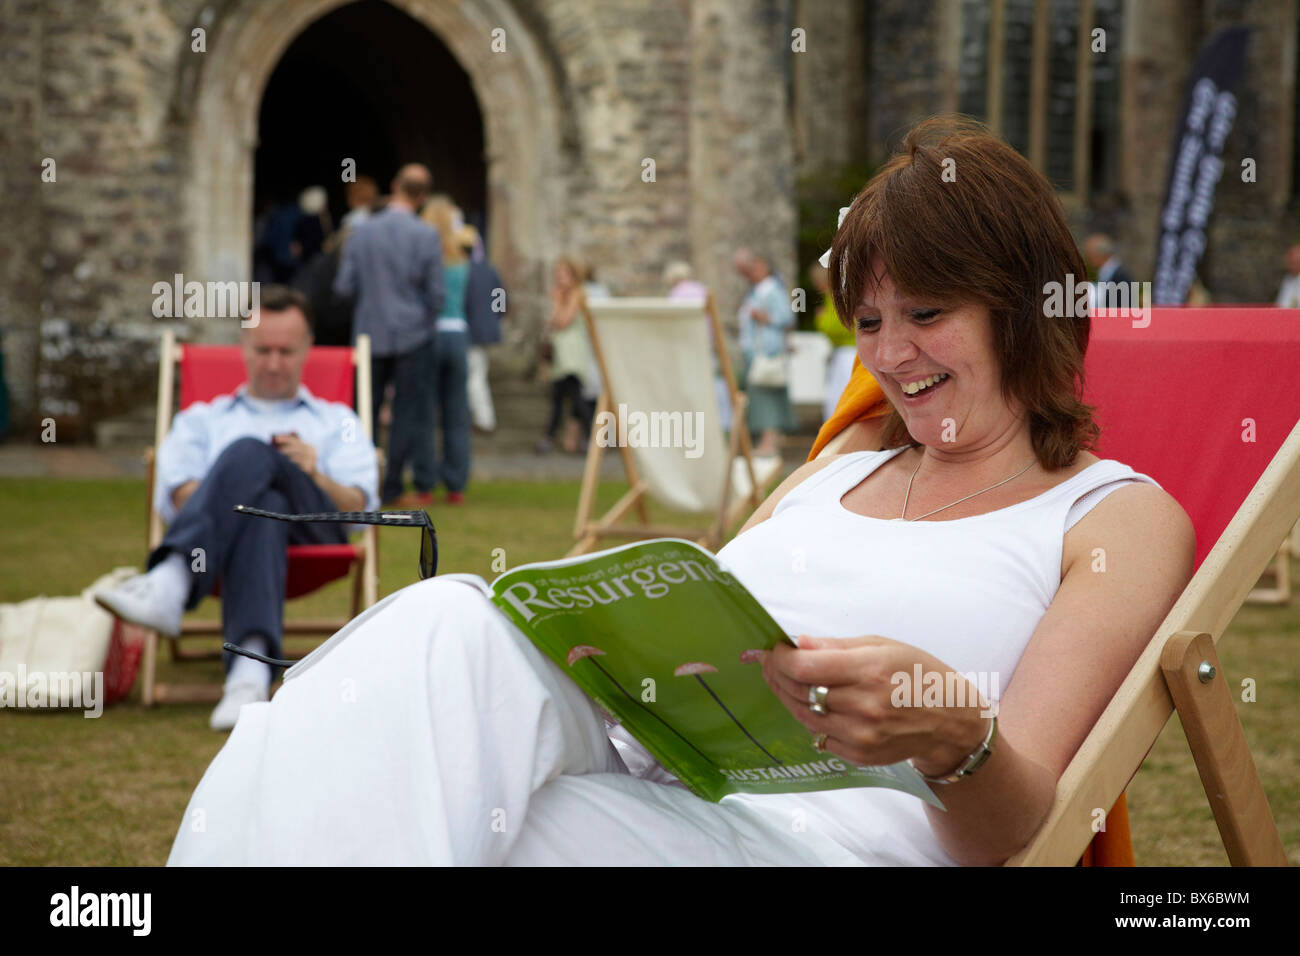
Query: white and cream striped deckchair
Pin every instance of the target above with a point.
(659, 408)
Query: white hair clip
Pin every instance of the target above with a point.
(825, 260)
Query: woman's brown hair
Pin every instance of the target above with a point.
(576, 268)
(958, 216)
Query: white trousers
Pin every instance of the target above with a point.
(481, 413)
(436, 733)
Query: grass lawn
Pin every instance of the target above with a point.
(111, 791)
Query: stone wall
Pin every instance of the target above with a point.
(105, 228)
(1252, 225)
(912, 69)
(710, 90)
(742, 168)
(830, 127)
(1158, 48)
(115, 95)
(22, 240)
(626, 77)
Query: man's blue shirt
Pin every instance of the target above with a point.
(203, 431)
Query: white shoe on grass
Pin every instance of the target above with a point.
(142, 600)
(233, 698)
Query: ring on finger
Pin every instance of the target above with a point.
(817, 699)
(819, 743)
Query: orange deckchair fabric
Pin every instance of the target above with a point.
(863, 399)
(1114, 845)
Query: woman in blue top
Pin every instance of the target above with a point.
(451, 369)
(765, 317)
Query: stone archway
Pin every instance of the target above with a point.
(244, 43)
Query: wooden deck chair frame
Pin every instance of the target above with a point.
(1180, 670)
(1280, 592)
(731, 508)
(365, 574)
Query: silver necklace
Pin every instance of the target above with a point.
(908, 496)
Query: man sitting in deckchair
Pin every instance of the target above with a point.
(272, 445)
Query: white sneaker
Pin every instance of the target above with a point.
(232, 701)
(139, 600)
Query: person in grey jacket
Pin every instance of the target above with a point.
(392, 264)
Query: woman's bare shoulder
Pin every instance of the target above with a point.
(792, 481)
(807, 470)
(1139, 515)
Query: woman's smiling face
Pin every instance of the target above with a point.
(936, 364)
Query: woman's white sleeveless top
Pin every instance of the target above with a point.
(970, 591)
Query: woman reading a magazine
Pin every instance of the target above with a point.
(985, 550)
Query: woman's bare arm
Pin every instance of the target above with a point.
(859, 436)
(764, 511)
(1096, 627)
(566, 309)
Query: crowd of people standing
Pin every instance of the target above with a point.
(409, 272)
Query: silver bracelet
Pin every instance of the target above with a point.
(973, 761)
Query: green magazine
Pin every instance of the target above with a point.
(657, 633)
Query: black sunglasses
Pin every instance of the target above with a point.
(399, 519)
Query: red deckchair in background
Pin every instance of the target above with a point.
(1201, 400)
(206, 371)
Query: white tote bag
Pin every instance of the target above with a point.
(49, 644)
